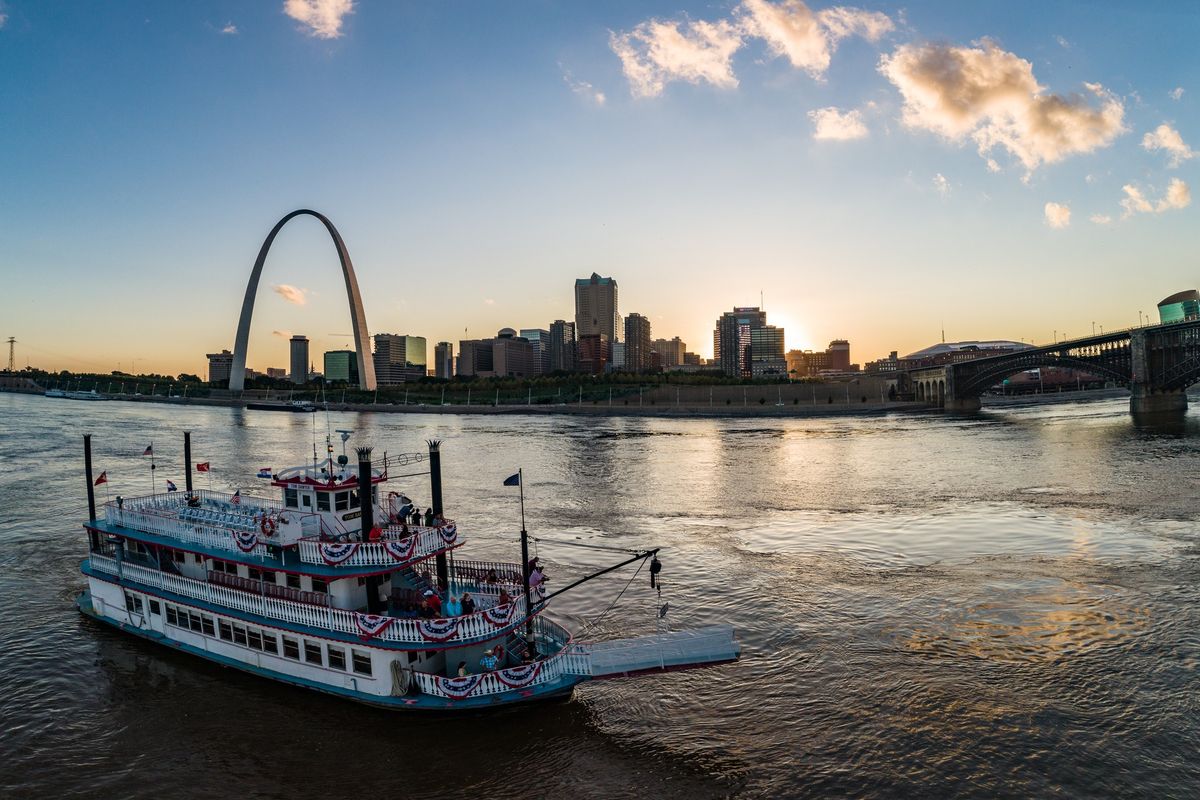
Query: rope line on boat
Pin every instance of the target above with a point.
(613, 605)
(633, 550)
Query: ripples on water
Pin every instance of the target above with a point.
(1001, 605)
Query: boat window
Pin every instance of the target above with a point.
(322, 501)
(337, 658)
(155, 608)
(289, 498)
(312, 652)
(239, 634)
(133, 603)
(171, 618)
(413, 655)
(226, 630)
(354, 498)
(340, 501)
(195, 623)
(319, 585)
(208, 626)
(293, 581)
(306, 500)
(362, 662)
(255, 637)
(268, 576)
(255, 575)
(269, 642)
(291, 648)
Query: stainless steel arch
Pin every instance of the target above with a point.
(358, 318)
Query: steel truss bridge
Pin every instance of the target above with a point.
(1157, 363)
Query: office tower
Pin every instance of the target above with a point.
(562, 346)
(594, 353)
(839, 355)
(596, 308)
(399, 358)
(746, 346)
(506, 355)
(637, 343)
(340, 366)
(219, 366)
(539, 341)
(443, 360)
(299, 360)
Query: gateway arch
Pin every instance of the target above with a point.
(358, 319)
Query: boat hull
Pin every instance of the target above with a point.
(281, 407)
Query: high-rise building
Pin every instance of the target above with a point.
(399, 359)
(671, 351)
(637, 343)
(562, 346)
(219, 366)
(746, 346)
(539, 341)
(596, 308)
(594, 353)
(299, 360)
(507, 354)
(475, 358)
(616, 357)
(692, 359)
(341, 366)
(839, 355)
(443, 360)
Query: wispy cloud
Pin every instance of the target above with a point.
(656, 52)
(489, 302)
(230, 29)
(1176, 93)
(1164, 137)
(583, 88)
(290, 293)
(323, 18)
(991, 96)
(1177, 196)
(941, 184)
(3, 15)
(282, 334)
(1101, 219)
(1057, 215)
(832, 124)
(1062, 42)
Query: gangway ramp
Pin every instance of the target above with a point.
(663, 651)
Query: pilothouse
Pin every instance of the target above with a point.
(342, 586)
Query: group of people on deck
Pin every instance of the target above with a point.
(428, 519)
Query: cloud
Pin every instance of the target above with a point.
(1057, 215)
(790, 28)
(991, 96)
(941, 184)
(656, 52)
(1101, 219)
(1177, 196)
(1062, 42)
(322, 17)
(834, 125)
(583, 88)
(3, 17)
(282, 334)
(489, 302)
(1167, 138)
(290, 293)
(1176, 93)
(230, 29)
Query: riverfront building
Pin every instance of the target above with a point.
(219, 365)
(671, 351)
(562, 346)
(745, 346)
(637, 343)
(1180, 306)
(443, 360)
(399, 359)
(299, 359)
(596, 308)
(539, 343)
(341, 366)
(505, 355)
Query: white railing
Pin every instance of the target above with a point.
(164, 524)
(373, 554)
(572, 659)
(465, 629)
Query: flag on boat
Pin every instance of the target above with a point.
(149, 451)
(102, 479)
(171, 486)
(202, 467)
(514, 480)
(265, 472)
(237, 496)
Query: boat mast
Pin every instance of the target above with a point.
(525, 571)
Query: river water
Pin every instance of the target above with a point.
(1000, 605)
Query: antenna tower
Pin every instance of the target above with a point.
(12, 362)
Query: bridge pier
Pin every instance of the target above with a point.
(962, 404)
(1147, 401)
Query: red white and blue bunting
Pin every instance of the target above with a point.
(499, 616)
(518, 677)
(449, 533)
(459, 688)
(401, 550)
(438, 630)
(336, 553)
(245, 540)
(371, 625)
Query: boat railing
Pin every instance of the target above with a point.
(569, 659)
(480, 626)
(508, 575)
(216, 533)
(391, 550)
(269, 589)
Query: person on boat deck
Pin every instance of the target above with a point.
(439, 519)
(429, 517)
(433, 602)
(462, 669)
(468, 605)
(453, 609)
(491, 576)
(536, 577)
(504, 597)
(489, 660)
(404, 528)
(193, 501)
(416, 516)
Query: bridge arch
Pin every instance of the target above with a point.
(990, 374)
(358, 318)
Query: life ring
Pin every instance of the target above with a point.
(268, 526)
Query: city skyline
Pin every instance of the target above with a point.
(824, 169)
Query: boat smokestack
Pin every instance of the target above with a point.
(364, 491)
(87, 469)
(435, 490)
(187, 459)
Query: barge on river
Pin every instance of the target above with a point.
(331, 587)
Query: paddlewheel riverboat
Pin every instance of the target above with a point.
(333, 587)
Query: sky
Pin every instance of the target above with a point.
(883, 173)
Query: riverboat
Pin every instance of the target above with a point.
(333, 586)
(297, 406)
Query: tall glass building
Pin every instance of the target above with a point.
(399, 359)
(341, 366)
(1180, 306)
